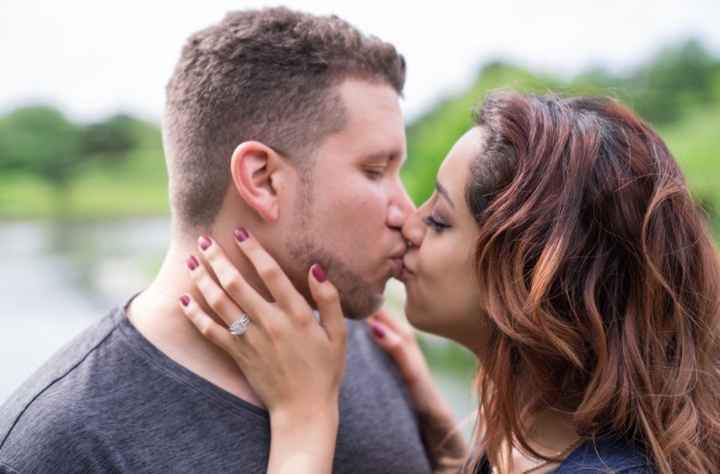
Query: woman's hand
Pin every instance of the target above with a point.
(444, 442)
(293, 362)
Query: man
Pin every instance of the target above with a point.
(289, 125)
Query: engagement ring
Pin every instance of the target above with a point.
(238, 328)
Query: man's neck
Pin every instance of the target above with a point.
(156, 314)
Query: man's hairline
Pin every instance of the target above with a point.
(312, 149)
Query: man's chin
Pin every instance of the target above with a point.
(362, 306)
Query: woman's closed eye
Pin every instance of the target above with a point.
(435, 224)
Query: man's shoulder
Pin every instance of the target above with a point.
(48, 411)
(45, 439)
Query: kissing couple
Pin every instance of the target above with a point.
(561, 246)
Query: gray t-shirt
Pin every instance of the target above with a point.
(110, 401)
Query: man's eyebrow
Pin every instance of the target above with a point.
(384, 155)
(443, 192)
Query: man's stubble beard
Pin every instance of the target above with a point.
(357, 298)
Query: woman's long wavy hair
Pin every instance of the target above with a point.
(599, 279)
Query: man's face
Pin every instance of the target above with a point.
(349, 213)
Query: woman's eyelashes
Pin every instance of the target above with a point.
(435, 224)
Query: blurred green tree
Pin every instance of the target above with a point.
(111, 138)
(679, 78)
(40, 141)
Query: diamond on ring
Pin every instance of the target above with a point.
(238, 328)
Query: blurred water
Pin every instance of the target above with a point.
(60, 277)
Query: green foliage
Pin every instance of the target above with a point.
(50, 165)
(112, 137)
(679, 78)
(39, 140)
(695, 141)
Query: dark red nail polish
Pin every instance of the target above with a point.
(241, 234)
(205, 242)
(377, 331)
(192, 262)
(185, 300)
(319, 273)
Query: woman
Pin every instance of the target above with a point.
(563, 248)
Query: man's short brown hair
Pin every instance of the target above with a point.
(265, 75)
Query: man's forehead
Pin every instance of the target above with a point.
(374, 124)
(369, 102)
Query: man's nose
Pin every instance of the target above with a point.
(414, 229)
(400, 209)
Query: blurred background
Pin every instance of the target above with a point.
(83, 207)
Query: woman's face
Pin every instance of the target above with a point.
(440, 278)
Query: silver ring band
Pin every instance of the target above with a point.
(238, 328)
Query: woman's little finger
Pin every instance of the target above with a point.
(211, 330)
(385, 336)
(401, 327)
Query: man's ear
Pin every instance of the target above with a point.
(255, 170)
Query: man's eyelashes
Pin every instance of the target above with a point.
(375, 173)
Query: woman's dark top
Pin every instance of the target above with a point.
(599, 456)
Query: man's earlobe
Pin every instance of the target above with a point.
(253, 166)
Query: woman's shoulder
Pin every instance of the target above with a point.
(606, 455)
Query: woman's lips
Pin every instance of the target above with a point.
(406, 272)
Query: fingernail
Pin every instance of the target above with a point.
(192, 262)
(319, 273)
(204, 242)
(377, 331)
(241, 234)
(185, 300)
